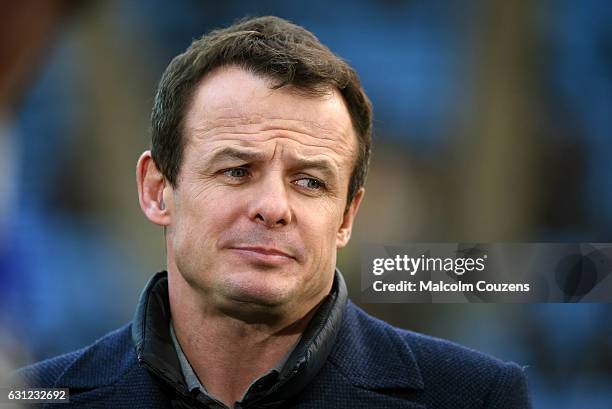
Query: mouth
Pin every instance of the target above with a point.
(263, 255)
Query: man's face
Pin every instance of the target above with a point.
(258, 212)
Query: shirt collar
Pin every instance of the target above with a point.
(192, 380)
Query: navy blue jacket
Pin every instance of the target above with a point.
(370, 365)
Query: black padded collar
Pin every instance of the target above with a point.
(155, 350)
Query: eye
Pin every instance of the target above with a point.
(237, 173)
(310, 183)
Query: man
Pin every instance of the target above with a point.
(260, 146)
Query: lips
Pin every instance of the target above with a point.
(265, 251)
(261, 245)
(263, 255)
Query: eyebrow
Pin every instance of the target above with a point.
(243, 154)
(323, 165)
(249, 156)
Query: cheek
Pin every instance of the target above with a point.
(319, 227)
(200, 218)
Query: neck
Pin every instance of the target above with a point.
(228, 353)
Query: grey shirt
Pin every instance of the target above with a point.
(195, 386)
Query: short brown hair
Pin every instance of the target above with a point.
(273, 48)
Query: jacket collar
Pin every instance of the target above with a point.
(155, 350)
(151, 334)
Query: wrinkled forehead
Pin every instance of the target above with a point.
(231, 102)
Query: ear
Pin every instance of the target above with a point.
(344, 233)
(151, 186)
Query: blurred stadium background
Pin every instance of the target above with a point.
(493, 124)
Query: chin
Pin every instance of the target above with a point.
(253, 305)
(258, 291)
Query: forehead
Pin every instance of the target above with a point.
(231, 104)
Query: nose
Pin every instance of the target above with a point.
(270, 203)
